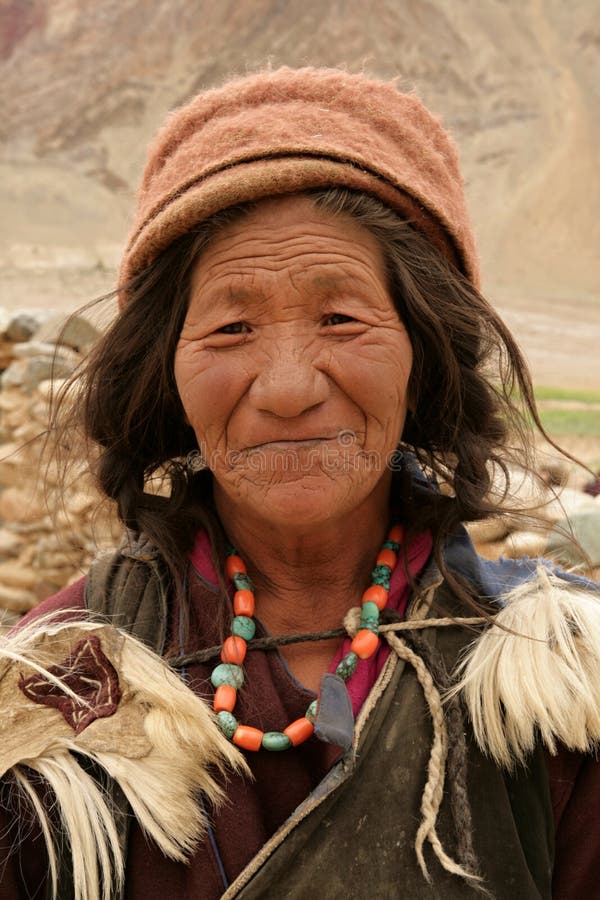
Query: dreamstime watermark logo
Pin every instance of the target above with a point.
(342, 454)
(347, 438)
(195, 461)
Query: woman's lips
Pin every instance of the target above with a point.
(292, 444)
(295, 455)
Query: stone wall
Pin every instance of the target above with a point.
(48, 533)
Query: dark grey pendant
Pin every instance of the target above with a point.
(335, 722)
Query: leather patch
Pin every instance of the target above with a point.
(89, 674)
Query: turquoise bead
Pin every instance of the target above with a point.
(390, 545)
(381, 575)
(227, 723)
(275, 740)
(242, 583)
(227, 673)
(244, 627)
(369, 617)
(311, 712)
(369, 610)
(370, 624)
(347, 666)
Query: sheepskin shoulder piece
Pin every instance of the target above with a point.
(87, 688)
(535, 674)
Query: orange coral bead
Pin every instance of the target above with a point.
(248, 738)
(387, 558)
(234, 650)
(243, 603)
(235, 565)
(396, 534)
(376, 594)
(225, 698)
(299, 731)
(365, 643)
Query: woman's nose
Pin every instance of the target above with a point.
(289, 382)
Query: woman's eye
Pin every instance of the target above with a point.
(338, 319)
(234, 328)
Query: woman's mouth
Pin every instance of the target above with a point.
(343, 438)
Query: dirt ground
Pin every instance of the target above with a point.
(559, 336)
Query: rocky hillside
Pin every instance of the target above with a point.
(518, 81)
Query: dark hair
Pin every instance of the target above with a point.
(470, 391)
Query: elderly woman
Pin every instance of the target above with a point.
(304, 360)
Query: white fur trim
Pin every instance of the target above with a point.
(537, 672)
(159, 746)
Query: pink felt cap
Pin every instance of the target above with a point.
(285, 131)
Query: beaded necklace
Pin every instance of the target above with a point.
(228, 676)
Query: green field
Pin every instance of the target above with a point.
(558, 418)
(571, 421)
(564, 394)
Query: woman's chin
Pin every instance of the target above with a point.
(309, 501)
(291, 506)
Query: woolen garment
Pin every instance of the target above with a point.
(282, 781)
(279, 132)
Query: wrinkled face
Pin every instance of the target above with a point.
(292, 364)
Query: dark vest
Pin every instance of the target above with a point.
(359, 840)
(354, 835)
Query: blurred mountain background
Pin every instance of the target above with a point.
(84, 86)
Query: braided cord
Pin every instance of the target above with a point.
(350, 625)
(436, 768)
(457, 753)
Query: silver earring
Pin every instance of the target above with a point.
(195, 461)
